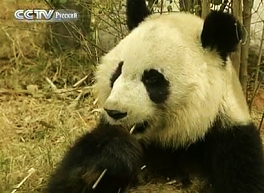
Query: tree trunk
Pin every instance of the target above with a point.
(205, 8)
(243, 76)
(186, 5)
(236, 56)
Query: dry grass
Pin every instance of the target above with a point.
(20, 39)
(36, 125)
(34, 134)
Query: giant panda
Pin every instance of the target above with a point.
(171, 105)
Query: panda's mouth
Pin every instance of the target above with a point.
(139, 128)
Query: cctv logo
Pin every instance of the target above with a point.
(33, 14)
(40, 15)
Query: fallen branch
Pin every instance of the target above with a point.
(74, 104)
(52, 85)
(80, 81)
(30, 171)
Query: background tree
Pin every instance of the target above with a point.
(67, 36)
(237, 12)
(246, 15)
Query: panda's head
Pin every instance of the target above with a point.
(171, 77)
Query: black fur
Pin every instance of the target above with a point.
(222, 32)
(137, 11)
(235, 159)
(230, 159)
(156, 85)
(106, 147)
(116, 74)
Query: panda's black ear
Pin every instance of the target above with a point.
(221, 32)
(136, 11)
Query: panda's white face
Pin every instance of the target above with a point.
(162, 80)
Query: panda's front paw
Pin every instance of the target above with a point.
(104, 161)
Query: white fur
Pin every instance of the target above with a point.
(201, 87)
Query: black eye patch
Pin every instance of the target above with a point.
(116, 74)
(156, 85)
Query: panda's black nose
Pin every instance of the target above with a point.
(115, 114)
